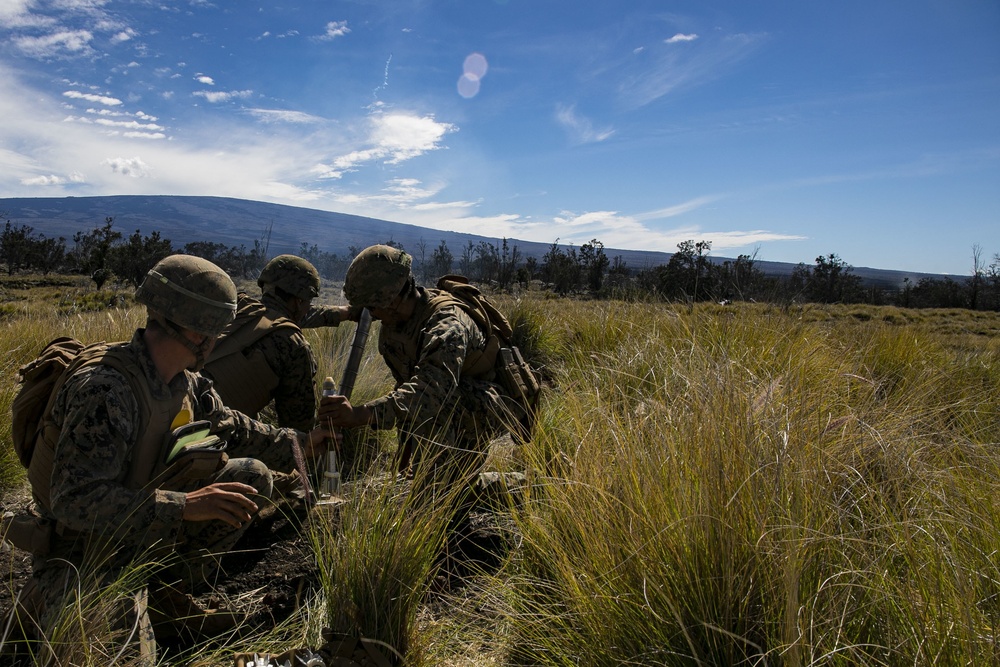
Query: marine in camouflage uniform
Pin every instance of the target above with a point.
(106, 516)
(263, 356)
(444, 417)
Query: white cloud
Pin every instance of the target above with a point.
(73, 42)
(12, 9)
(403, 136)
(393, 138)
(580, 128)
(90, 97)
(335, 29)
(16, 14)
(217, 97)
(283, 116)
(123, 36)
(205, 79)
(680, 37)
(144, 135)
(133, 167)
(44, 180)
(128, 124)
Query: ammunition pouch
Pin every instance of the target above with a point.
(516, 376)
(190, 468)
(521, 384)
(28, 532)
(193, 455)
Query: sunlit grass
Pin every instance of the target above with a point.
(747, 484)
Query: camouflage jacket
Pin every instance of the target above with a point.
(425, 355)
(283, 365)
(98, 416)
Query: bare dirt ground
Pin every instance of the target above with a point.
(272, 570)
(266, 577)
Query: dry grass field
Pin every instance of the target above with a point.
(747, 484)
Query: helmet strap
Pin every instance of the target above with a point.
(199, 350)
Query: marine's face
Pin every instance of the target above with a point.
(385, 315)
(300, 308)
(205, 343)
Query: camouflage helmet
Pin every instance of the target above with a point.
(190, 291)
(290, 274)
(377, 276)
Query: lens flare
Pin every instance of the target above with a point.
(473, 70)
(468, 86)
(475, 65)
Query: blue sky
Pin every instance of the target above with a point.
(791, 129)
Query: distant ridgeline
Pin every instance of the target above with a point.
(120, 237)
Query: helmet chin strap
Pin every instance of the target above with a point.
(199, 350)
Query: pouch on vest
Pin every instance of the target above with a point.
(520, 382)
(193, 454)
(514, 375)
(28, 532)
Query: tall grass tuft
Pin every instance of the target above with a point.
(735, 487)
(378, 555)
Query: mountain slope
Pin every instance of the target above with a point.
(234, 222)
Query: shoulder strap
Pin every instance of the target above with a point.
(494, 326)
(248, 328)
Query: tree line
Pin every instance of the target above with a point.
(106, 254)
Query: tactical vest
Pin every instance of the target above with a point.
(478, 364)
(242, 376)
(153, 430)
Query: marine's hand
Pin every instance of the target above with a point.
(319, 441)
(225, 501)
(338, 411)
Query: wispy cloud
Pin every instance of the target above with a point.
(579, 127)
(217, 97)
(335, 29)
(64, 42)
(205, 79)
(90, 97)
(680, 37)
(653, 73)
(283, 116)
(393, 138)
(411, 201)
(677, 209)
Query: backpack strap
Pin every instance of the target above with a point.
(250, 325)
(455, 289)
(40, 468)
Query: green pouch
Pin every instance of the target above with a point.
(193, 454)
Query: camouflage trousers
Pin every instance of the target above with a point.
(106, 585)
(440, 447)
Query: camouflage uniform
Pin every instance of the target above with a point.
(288, 373)
(98, 417)
(439, 412)
(289, 360)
